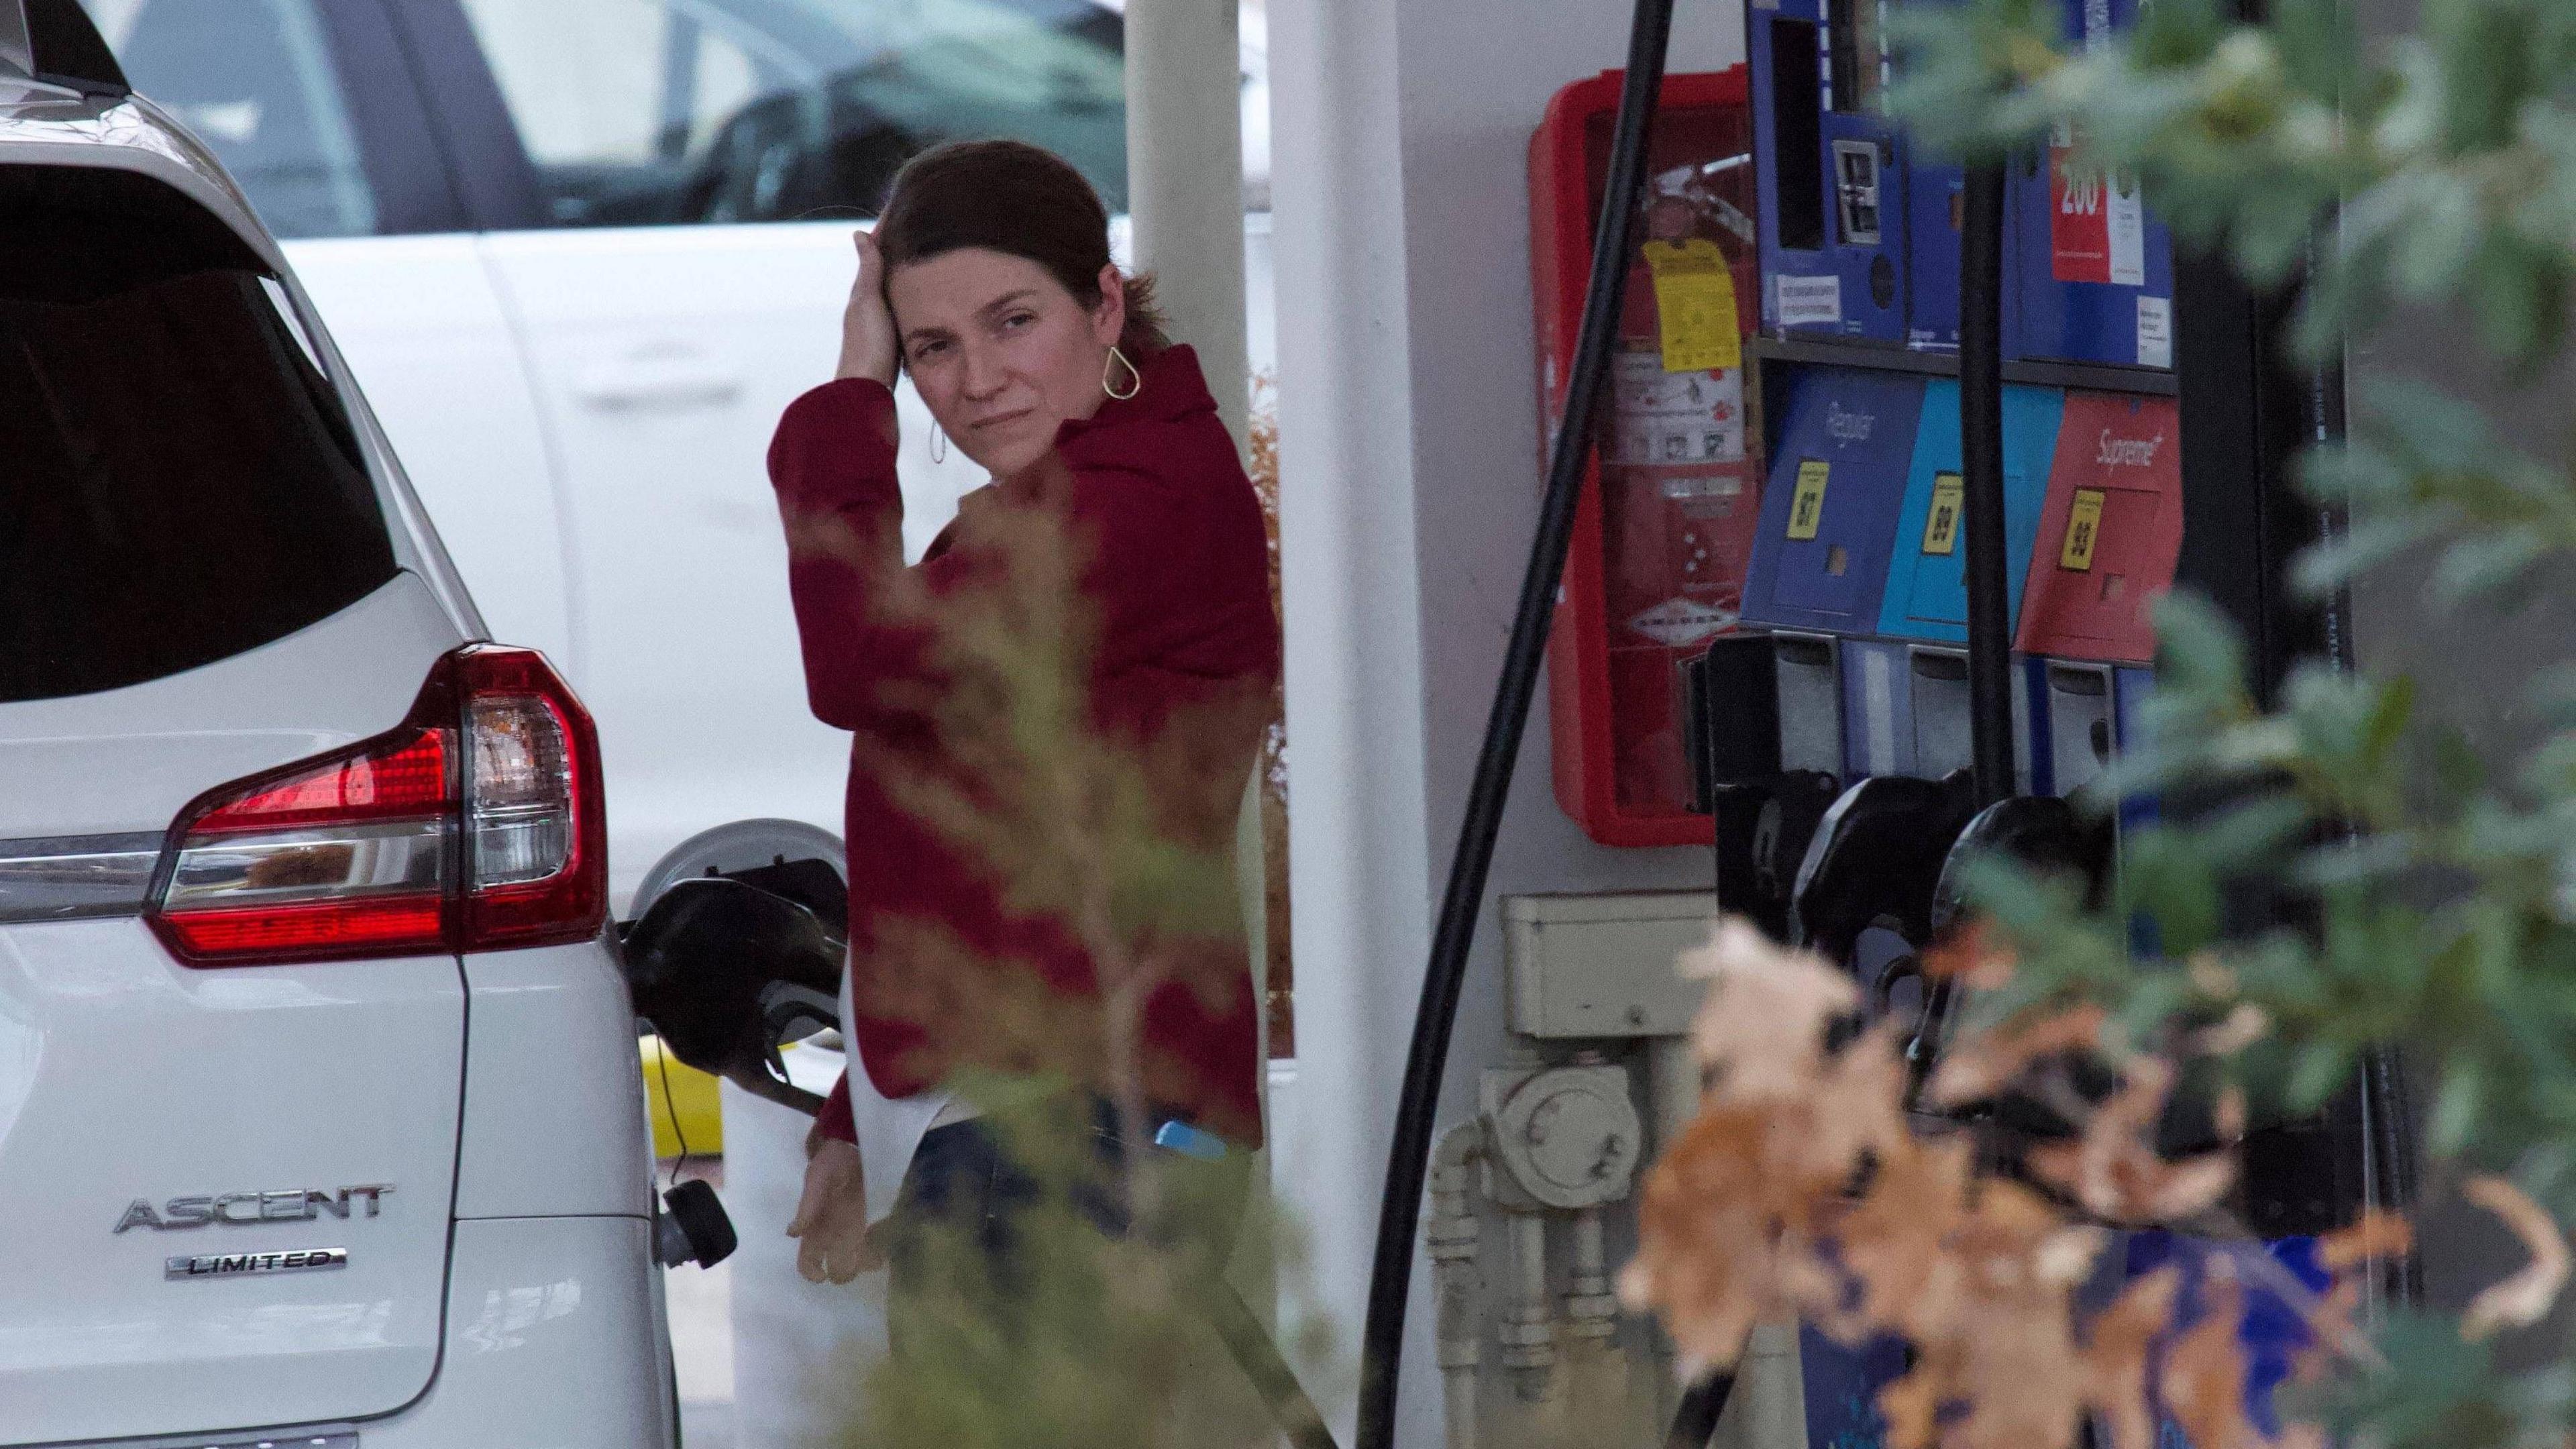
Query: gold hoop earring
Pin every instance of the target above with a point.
(1135, 379)
(938, 445)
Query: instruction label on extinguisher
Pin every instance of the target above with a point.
(1674, 417)
(2097, 227)
(1695, 305)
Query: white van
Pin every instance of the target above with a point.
(319, 1117)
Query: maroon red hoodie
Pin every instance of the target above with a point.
(1179, 583)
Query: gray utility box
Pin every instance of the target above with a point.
(1603, 965)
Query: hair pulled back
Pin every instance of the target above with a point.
(1023, 200)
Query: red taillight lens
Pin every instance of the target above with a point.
(477, 825)
(536, 827)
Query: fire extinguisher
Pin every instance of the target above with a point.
(1680, 475)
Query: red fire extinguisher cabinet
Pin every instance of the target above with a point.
(1664, 532)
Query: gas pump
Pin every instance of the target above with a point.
(2093, 373)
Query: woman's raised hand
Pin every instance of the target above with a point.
(867, 328)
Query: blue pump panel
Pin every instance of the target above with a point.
(2095, 267)
(1927, 591)
(1878, 710)
(1935, 214)
(1837, 478)
(1841, 1388)
(1831, 173)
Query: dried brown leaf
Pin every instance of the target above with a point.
(2113, 1168)
(1896, 1240)
(1912, 1406)
(2378, 1233)
(2204, 1374)
(1970, 957)
(2525, 1298)
(2116, 1360)
(1707, 1259)
(1985, 1063)
(2239, 1029)
(1763, 1025)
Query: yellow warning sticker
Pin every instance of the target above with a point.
(1695, 305)
(1941, 529)
(1807, 501)
(2083, 530)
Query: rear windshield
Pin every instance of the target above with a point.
(178, 482)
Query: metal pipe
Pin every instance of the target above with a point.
(1390, 1277)
(1529, 1325)
(1591, 1310)
(1981, 465)
(1451, 1237)
(1185, 181)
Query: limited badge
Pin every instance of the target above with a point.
(237, 1265)
(1807, 501)
(1941, 528)
(2083, 530)
(1695, 305)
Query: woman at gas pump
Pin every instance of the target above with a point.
(988, 279)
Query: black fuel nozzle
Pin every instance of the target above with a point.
(727, 971)
(1762, 828)
(1876, 860)
(2041, 833)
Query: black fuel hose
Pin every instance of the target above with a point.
(1409, 1155)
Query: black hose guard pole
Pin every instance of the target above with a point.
(1981, 465)
(1981, 462)
(1408, 1157)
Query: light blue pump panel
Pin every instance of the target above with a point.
(1927, 591)
(1829, 513)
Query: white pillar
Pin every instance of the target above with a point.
(1185, 180)
(1410, 479)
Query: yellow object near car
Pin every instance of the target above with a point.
(683, 1103)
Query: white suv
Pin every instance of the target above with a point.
(319, 1118)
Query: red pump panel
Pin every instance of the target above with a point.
(2110, 534)
(1665, 527)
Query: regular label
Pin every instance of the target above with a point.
(2083, 530)
(1807, 501)
(1674, 418)
(1941, 528)
(1695, 305)
(1809, 301)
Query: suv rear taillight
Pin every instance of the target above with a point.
(475, 826)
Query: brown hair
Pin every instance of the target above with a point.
(1011, 197)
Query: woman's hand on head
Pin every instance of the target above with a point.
(867, 326)
(831, 1222)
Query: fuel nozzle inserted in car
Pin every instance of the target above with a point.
(730, 967)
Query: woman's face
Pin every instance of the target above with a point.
(1001, 351)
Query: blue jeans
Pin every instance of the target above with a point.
(965, 1184)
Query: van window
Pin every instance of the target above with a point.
(178, 483)
(255, 80)
(654, 112)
